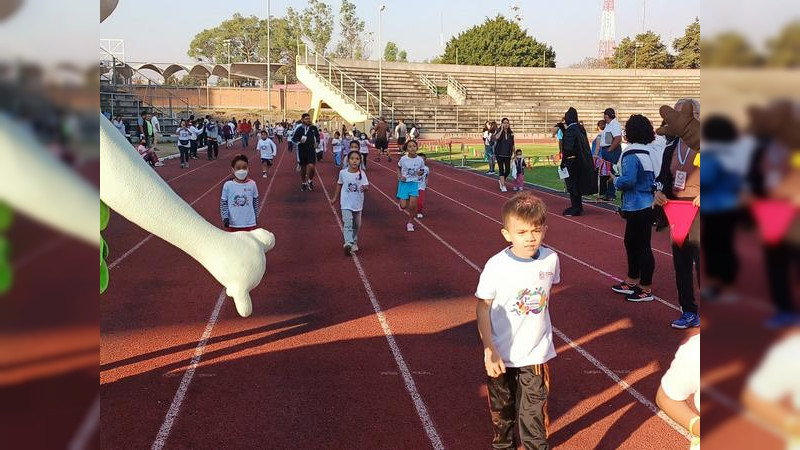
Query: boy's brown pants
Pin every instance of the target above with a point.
(519, 396)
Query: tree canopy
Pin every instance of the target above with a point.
(352, 43)
(728, 49)
(687, 47)
(645, 51)
(497, 41)
(393, 53)
(784, 49)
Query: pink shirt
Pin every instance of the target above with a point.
(142, 150)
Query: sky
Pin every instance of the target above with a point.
(160, 31)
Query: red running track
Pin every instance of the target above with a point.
(378, 351)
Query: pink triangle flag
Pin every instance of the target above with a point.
(774, 218)
(681, 214)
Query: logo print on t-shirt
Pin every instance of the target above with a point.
(352, 187)
(530, 302)
(240, 200)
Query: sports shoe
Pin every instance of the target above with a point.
(355, 247)
(159, 164)
(419, 215)
(571, 212)
(183, 165)
(687, 320)
(348, 249)
(310, 185)
(409, 226)
(304, 187)
(195, 157)
(639, 295)
(503, 189)
(623, 288)
(264, 175)
(783, 319)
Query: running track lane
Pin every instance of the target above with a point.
(589, 408)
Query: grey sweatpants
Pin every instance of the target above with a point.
(352, 222)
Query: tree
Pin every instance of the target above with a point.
(728, 49)
(645, 51)
(402, 56)
(498, 41)
(243, 35)
(315, 23)
(784, 50)
(392, 53)
(590, 63)
(688, 47)
(352, 44)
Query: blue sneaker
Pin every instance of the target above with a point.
(687, 320)
(783, 320)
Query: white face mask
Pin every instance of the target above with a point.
(240, 174)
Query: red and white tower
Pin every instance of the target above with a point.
(607, 31)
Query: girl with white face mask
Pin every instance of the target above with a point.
(239, 201)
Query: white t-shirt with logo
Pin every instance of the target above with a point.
(410, 167)
(613, 129)
(423, 180)
(520, 312)
(352, 196)
(364, 147)
(266, 148)
(682, 379)
(240, 197)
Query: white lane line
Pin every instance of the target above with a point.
(149, 236)
(187, 173)
(411, 386)
(599, 230)
(88, 427)
(186, 380)
(620, 382)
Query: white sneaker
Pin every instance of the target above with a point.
(264, 175)
(419, 215)
(409, 227)
(503, 189)
(159, 164)
(354, 248)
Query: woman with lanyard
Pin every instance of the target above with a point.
(680, 180)
(503, 150)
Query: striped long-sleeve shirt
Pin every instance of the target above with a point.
(239, 203)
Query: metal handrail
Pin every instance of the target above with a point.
(150, 82)
(457, 85)
(425, 80)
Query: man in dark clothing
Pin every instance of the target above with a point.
(306, 137)
(577, 159)
(381, 133)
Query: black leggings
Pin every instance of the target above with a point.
(638, 230)
(184, 154)
(212, 148)
(504, 165)
(718, 231)
(194, 147)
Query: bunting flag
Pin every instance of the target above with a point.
(680, 214)
(773, 218)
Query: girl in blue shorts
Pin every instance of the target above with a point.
(409, 170)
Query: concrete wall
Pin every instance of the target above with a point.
(228, 98)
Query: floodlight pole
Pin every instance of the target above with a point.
(380, 62)
(269, 75)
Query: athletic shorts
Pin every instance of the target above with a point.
(401, 141)
(307, 156)
(381, 144)
(268, 161)
(406, 189)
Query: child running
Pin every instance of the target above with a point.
(184, 145)
(267, 149)
(409, 169)
(354, 183)
(364, 149)
(355, 145)
(518, 184)
(239, 202)
(514, 324)
(422, 184)
(336, 143)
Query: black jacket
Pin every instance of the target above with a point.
(504, 146)
(312, 138)
(577, 158)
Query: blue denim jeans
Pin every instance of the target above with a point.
(352, 222)
(337, 158)
(488, 154)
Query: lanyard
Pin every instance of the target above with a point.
(682, 160)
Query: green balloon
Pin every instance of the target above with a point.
(104, 249)
(105, 215)
(5, 249)
(6, 277)
(6, 216)
(103, 276)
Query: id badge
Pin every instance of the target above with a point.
(680, 180)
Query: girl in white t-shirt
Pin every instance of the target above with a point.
(353, 183)
(238, 204)
(336, 143)
(364, 149)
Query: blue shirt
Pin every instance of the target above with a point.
(636, 184)
(719, 188)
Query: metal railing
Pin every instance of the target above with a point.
(147, 94)
(426, 81)
(457, 86)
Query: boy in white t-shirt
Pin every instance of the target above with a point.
(422, 183)
(353, 183)
(266, 149)
(238, 204)
(513, 312)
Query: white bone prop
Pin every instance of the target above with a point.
(58, 197)
(131, 188)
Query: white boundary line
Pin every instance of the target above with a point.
(411, 386)
(87, 428)
(186, 380)
(620, 382)
(149, 236)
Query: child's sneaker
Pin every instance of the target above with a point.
(348, 249)
(409, 226)
(639, 295)
(304, 187)
(264, 175)
(183, 166)
(687, 320)
(310, 185)
(503, 189)
(355, 247)
(159, 164)
(419, 215)
(623, 288)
